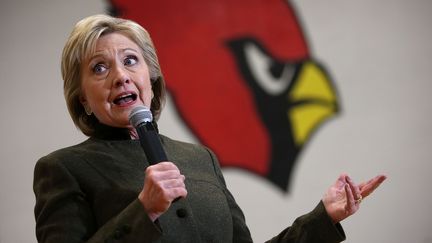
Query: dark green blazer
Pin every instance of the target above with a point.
(88, 193)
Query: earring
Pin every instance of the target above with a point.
(87, 110)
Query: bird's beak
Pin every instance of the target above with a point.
(313, 100)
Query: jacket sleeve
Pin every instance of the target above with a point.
(63, 213)
(315, 226)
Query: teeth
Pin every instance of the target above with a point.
(125, 95)
(125, 98)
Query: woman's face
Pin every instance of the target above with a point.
(115, 79)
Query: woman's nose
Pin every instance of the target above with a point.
(120, 76)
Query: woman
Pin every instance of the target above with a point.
(103, 189)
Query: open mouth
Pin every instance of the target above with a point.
(124, 99)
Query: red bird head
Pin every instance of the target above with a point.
(240, 76)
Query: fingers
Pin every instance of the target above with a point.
(350, 201)
(173, 183)
(162, 175)
(370, 186)
(169, 193)
(344, 197)
(163, 171)
(353, 196)
(341, 181)
(163, 166)
(163, 184)
(165, 175)
(354, 189)
(174, 188)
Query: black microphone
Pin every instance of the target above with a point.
(141, 118)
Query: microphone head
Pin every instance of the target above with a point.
(139, 115)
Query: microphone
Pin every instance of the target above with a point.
(141, 119)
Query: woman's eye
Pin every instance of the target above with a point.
(99, 68)
(130, 60)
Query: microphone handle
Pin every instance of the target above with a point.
(150, 143)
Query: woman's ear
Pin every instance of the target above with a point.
(84, 103)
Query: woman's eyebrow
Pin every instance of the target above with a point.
(94, 56)
(101, 53)
(129, 49)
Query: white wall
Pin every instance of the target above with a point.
(378, 53)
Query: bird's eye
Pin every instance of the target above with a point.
(273, 78)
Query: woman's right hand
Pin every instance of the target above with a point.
(162, 185)
(344, 197)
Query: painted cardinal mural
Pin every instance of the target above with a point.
(241, 77)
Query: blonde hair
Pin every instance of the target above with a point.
(82, 43)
